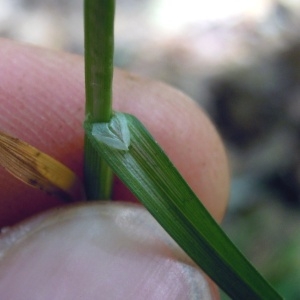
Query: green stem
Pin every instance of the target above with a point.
(99, 49)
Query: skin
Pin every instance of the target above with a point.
(42, 103)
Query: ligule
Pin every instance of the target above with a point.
(147, 171)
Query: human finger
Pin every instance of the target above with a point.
(42, 102)
(97, 251)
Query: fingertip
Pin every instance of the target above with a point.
(42, 99)
(115, 250)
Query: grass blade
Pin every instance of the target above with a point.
(147, 171)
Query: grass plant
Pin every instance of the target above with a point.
(119, 143)
(128, 148)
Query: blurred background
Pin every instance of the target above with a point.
(240, 60)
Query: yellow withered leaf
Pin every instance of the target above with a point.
(38, 169)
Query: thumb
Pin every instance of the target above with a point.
(96, 251)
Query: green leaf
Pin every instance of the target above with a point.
(147, 171)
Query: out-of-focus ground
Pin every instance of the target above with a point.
(240, 60)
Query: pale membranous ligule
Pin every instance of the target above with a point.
(114, 134)
(39, 170)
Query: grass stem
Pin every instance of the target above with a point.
(99, 51)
